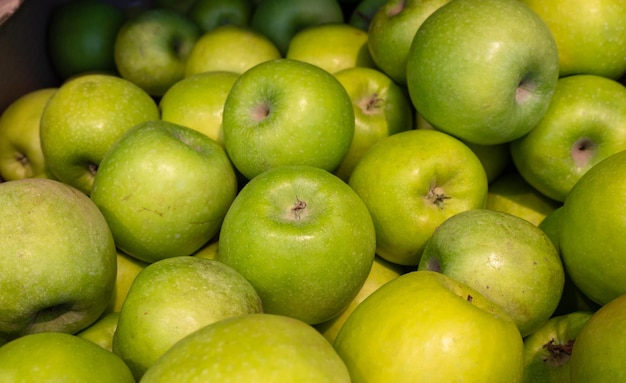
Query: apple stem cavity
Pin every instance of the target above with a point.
(22, 159)
(525, 90)
(582, 151)
(298, 208)
(92, 169)
(261, 112)
(559, 354)
(393, 11)
(437, 197)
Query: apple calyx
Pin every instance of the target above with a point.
(371, 104)
(437, 196)
(582, 151)
(298, 208)
(558, 354)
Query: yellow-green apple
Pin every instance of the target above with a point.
(510, 193)
(59, 357)
(391, 32)
(101, 331)
(596, 355)
(589, 35)
(363, 12)
(20, 146)
(197, 102)
(81, 37)
(421, 327)
(152, 48)
(411, 182)
(287, 112)
(483, 71)
(547, 351)
(509, 260)
(83, 118)
(251, 348)
(591, 237)
(280, 20)
(210, 14)
(585, 123)
(230, 48)
(332, 47)
(57, 258)
(382, 271)
(127, 270)
(303, 238)
(164, 190)
(381, 108)
(172, 298)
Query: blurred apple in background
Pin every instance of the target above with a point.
(483, 71)
(507, 259)
(101, 331)
(411, 182)
(20, 146)
(210, 14)
(332, 47)
(381, 108)
(127, 270)
(251, 348)
(57, 258)
(164, 190)
(425, 326)
(172, 298)
(180, 6)
(246, 48)
(363, 12)
(391, 32)
(584, 124)
(303, 238)
(83, 118)
(58, 357)
(280, 20)
(197, 102)
(152, 48)
(287, 112)
(590, 35)
(81, 37)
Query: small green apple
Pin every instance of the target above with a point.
(152, 48)
(230, 48)
(210, 14)
(509, 260)
(127, 270)
(174, 297)
(585, 123)
(101, 331)
(59, 357)
(251, 348)
(164, 190)
(411, 182)
(287, 112)
(83, 119)
(424, 327)
(20, 146)
(483, 71)
(303, 238)
(57, 258)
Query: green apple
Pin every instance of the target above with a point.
(411, 182)
(81, 37)
(20, 146)
(391, 32)
(172, 298)
(509, 260)
(101, 331)
(597, 355)
(287, 112)
(510, 193)
(83, 119)
(180, 6)
(210, 14)
(251, 348)
(363, 12)
(303, 238)
(381, 108)
(280, 20)
(585, 123)
(589, 35)
(547, 351)
(426, 327)
(208, 251)
(332, 47)
(230, 48)
(197, 102)
(483, 71)
(591, 236)
(58, 357)
(57, 258)
(127, 270)
(152, 48)
(164, 190)
(551, 225)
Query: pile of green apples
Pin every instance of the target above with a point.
(319, 191)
